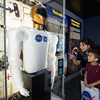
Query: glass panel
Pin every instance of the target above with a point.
(2, 70)
(75, 34)
(55, 27)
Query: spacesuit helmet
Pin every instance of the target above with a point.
(39, 15)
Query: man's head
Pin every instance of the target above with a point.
(94, 56)
(39, 15)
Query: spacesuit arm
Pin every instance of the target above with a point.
(15, 38)
(52, 57)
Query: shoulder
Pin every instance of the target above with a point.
(79, 56)
(12, 32)
(98, 64)
(88, 64)
(53, 38)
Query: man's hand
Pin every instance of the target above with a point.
(24, 92)
(91, 85)
(52, 82)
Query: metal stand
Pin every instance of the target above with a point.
(4, 26)
(63, 94)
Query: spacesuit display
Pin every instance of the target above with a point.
(37, 45)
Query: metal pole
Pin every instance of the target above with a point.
(5, 48)
(63, 94)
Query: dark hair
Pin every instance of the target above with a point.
(96, 53)
(88, 42)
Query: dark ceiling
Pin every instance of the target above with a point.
(82, 8)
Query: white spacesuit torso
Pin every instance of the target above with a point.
(37, 46)
(35, 50)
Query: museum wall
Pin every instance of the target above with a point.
(68, 13)
(72, 42)
(91, 29)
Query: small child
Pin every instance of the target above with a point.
(92, 70)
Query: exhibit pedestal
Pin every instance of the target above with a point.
(38, 85)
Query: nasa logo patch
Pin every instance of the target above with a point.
(60, 62)
(60, 71)
(86, 96)
(38, 38)
(60, 67)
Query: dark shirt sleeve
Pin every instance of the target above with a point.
(79, 57)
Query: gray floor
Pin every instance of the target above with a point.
(55, 97)
(72, 89)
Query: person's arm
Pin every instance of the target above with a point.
(15, 37)
(52, 57)
(75, 61)
(85, 78)
(94, 83)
